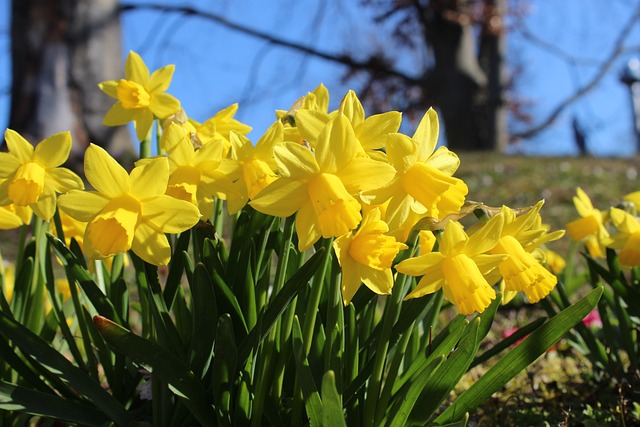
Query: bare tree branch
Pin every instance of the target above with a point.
(331, 57)
(618, 49)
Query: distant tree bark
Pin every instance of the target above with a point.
(60, 51)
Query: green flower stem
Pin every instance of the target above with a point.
(314, 298)
(264, 371)
(390, 316)
(218, 216)
(145, 146)
(22, 241)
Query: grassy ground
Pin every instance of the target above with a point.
(558, 389)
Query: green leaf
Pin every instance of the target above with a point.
(47, 356)
(520, 357)
(176, 268)
(312, 401)
(168, 367)
(332, 415)
(224, 369)
(205, 317)
(20, 399)
(76, 271)
(447, 376)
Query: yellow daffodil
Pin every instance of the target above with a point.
(460, 267)
(128, 211)
(590, 227)
(316, 101)
(427, 241)
(219, 127)
(193, 173)
(521, 271)
(423, 184)
(251, 168)
(554, 261)
(33, 176)
(321, 188)
(140, 96)
(12, 216)
(365, 256)
(371, 132)
(627, 240)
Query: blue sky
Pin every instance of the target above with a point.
(216, 67)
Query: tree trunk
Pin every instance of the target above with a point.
(467, 79)
(61, 50)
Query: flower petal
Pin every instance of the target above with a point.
(151, 245)
(109, 87)
(9, 219)
(363, 174)
(161, 79)
(373, 132)
(427, 134)
(135, 69)
(118, 115)
(64, 180)
(402, 151)
(8, 164)
(310, 124)
(444, 160)
(170, 215)
(54, 150)
(104, 173)
(143, 121)
(163, 105)
(82, 205)
(18, 146)
(295, 161)
(150, 178)
(485, 238)
(282, 198)
(307, 227)
(337, 145)
(45, 207)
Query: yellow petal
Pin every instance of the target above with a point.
(337, 145)
(8, 164)
(135, 69)
(161, 79)
(427, 134)
(336, 210)
(150, 179)
(307, 227)
(82, 205)
(486, 238)
(109, 87)
(54, 150)
(295, 161)
(104, 173)
(363, 174)
(27, 185)
(282, 198)
(64, 180)
(118, 115)
(352, 108)
(310, 124)
(444, 160)
(163, 105)
(18, 146)
(453, 239)
(9, 219)
(401, 152)
(373, 132)
(151, 245)
(45, 207)
(143, 121)
(427, 285)
(169, 214)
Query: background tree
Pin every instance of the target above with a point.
(60, 51)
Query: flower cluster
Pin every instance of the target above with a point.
(355, 179)
(616, 228)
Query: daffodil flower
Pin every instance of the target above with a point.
(371, 132)
(193, 173)
(128, 211)
(365, 256)
(590, 227)
(12, 216)
(460, 267)
(33, 176)
(321, 188)
(627, 240)
(316, 101)
(251, 168)
(522, 271)
(140, 96)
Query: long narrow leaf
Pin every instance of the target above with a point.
(520, 357)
